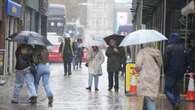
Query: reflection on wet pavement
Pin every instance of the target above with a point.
(70, 94)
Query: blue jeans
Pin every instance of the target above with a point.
(24, 76)
(44, 73)
(96, 79)
(149, 104)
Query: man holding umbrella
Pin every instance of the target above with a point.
(115, 56)
(23, 73)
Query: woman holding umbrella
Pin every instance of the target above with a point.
(115, 56)
(148, 64)
(94, 62)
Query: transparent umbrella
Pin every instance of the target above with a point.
(31, 38)
(94, 42)
(142, 37)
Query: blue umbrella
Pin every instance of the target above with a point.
(30, 38)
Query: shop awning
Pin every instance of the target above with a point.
(188, 9)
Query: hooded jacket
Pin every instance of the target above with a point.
(175, 57)
(95, 61)
(149, 60)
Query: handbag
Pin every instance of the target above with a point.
(99, 74)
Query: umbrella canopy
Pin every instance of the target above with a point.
(31, 38)
(142, 37)
(116, 37)
(93, 42)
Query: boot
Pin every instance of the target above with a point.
(33, 100)
(50, 101)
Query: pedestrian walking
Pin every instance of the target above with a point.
(67, 51)
(115, 56)
(95, 60)
(40, 57)
(78, 53)
(175, 67)
(24, 74)
(148, 65)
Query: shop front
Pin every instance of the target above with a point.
(13, 19)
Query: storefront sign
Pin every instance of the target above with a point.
(13, 9)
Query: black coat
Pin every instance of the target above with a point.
(115, 60)
(23, 60)
(175, 60)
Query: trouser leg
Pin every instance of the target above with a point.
(110, 80)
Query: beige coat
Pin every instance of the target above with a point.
(95, 61)
(149, 81)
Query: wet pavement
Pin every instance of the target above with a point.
(70, 94)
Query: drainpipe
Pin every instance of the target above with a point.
(186, 30)
(163, 43)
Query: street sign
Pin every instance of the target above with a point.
(13, 9)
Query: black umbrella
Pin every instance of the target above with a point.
(31, 38)
(118, 38)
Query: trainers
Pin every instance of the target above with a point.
(50, 101)
(89, 88)
(96, 89)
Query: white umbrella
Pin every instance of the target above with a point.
(142, 37)
(92, 43)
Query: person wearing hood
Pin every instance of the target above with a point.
(148, 65)
(175, 67)
(95, 61)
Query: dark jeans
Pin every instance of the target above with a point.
(172, 89)
(67, 67)
(113, 76)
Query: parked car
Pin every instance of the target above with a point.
(54, 55)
